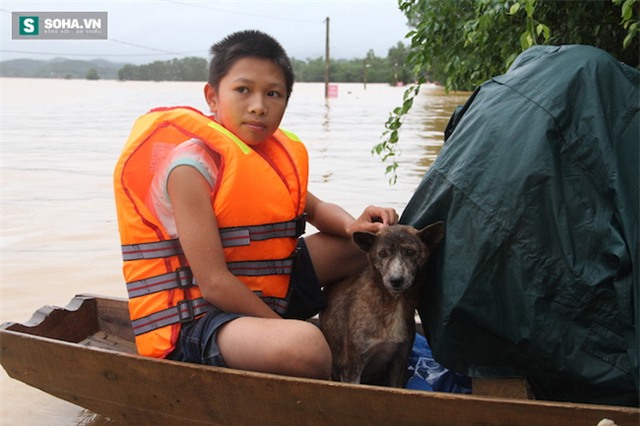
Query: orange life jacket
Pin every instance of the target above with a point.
(258, 204)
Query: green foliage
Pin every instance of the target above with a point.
(460, 44)
(92, 74)
(534, 29)
(57, 68)
(371, 68)
(185, 69)
(387, 149)
(629, 11)
(397, 62)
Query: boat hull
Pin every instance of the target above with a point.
(96, 369)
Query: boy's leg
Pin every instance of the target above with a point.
(288, 347)
(334, 258)
(292, 347)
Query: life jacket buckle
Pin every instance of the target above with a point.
(185, 310)
(301, 223)
(184, 277)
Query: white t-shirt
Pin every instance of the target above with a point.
(189, 153)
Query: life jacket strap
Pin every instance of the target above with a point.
(242, 236)
(276, 304)
(151, 250)
(180, 278)
(183, 277)
(257, 268)
(184, 311)
(231, 237)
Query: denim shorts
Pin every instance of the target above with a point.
(197, 340)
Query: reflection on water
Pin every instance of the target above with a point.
(58, 228)
(326, 116)
(435, 111)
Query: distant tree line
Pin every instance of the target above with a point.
(185, 69)
(371, 69)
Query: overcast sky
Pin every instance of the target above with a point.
(146, 31)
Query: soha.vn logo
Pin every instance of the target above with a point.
(59, 25)
(29, 25)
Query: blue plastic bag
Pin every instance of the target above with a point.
(426, 374)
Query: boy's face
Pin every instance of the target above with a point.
(250, 99)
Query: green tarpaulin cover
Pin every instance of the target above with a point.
(538, 185)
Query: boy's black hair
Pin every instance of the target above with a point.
(249, 43)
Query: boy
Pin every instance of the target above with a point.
(233, 190)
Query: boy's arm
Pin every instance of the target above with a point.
(333, 219)
(190, 196)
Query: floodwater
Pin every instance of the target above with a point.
(60, 140)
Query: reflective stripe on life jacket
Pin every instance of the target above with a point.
(258, 201)
(230, 237)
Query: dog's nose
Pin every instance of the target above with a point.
(397, 281)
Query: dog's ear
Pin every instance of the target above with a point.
(432, 234)
(364, 240)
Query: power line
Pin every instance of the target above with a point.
(97, 55)
(282, 18)
(160, 52)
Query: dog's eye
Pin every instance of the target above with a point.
(383, 253)
(409, 252)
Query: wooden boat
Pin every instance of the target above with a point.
(85, 354)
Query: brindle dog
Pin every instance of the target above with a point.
(369, 322)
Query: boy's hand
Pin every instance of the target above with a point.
(373, 218)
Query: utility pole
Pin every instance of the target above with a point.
(365, 68)
(326, 60)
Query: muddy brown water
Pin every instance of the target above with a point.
(60, 140)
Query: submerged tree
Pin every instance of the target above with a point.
(460, 44)
(92, 74)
